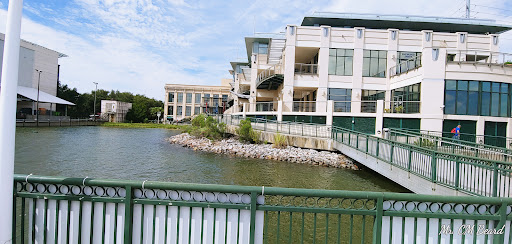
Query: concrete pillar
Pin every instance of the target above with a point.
(175, 106)
(279, 111)
(357, 78)
(245, 110)
(289, 68)
(432, 107)
(480, 129)
(330, 112)
(509, 131)
(323, 69)
(166, 104)
(254, 76)
(379, 118)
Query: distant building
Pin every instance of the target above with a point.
(183, 101)
(35, 57)
(114, 111)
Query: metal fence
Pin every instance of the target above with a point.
(54, 123)
(497, 141)
(453, 146)
(85, 210)
(468, 174)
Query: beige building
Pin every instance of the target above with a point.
(188, 100)
(114, 111)
(368, 72)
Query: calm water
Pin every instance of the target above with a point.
(143, 154)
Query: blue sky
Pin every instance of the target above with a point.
(140, 45)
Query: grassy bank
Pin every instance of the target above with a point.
(144, 125)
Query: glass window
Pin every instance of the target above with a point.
(224, 98)
(451, 85)
(206, 99)
(215, 100)
(198, 98)
(478, 98)
(449, 102)
(341, 61)
(171, 97)
(188, 110)
(180, 97)
(373, 95)
(408, 61)
(197, 110)
(189, 98)
(342, 99)
(374, 63)
(179, 110)
(170, 110)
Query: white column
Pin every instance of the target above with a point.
(379, 118)
(480, 129)
(8, 99)
(279, 110)
(289, 68)
(330, 112)
(245, 110)
(357, 78)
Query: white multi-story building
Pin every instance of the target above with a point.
(369, 72)
(38, 67)
(183, 101)
(114, 111)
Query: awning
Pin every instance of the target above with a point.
(31, 93)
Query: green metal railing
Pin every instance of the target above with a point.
(453, 146)
(65, 210)
(497, 141)
(467, 174)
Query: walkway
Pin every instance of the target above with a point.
(420, 169)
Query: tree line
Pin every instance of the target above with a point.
(143, 108)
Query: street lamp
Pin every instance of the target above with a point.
(37, 106)
(95, 83)
(158, 114)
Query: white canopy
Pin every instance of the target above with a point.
(240, 95)
(44, 97)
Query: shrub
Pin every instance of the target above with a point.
(279, 141)
(246, 133)
(424, 143)
(206, 126)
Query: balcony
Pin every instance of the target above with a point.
(306, 69)
(271, 78)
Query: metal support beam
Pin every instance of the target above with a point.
(8, 100)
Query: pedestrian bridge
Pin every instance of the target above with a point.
(438, 166)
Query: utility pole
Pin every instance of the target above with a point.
(468, 9)
(95, 83)
(8, 100)
(37, 104)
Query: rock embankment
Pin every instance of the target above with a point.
(233, 147)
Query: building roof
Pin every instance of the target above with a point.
(405, 22)
(31, 93)
(61, 55)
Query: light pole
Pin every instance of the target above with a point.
(95, 83)
(37, 106)
(9, 84)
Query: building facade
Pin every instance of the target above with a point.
(369, 72)
(182, 101)
(34, 58)
(114, 111)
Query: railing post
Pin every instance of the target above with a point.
(377, 234)
(410, 160)
(495, 180)
(391, 153)
(457, 172)
(434, 167)
(252, 227)
(367, 137)
(500, 238)
(128, 213)
(377, 149)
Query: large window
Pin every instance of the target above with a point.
(189, 98)
(180, 97)
(188, 111)
(483, 98)
(341, 98)
(215, 100)
(198, 98)
(179, 111)
(170, 110)
(341, 61)
(368, 104)
(408, 61)
(224, 98)
(406, 99)
(260, 48)
(171, 97)
(197, 110)
(206, 100)
(374, 63)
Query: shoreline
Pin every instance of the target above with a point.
(233, 147)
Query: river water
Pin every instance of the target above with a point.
(144, 154)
